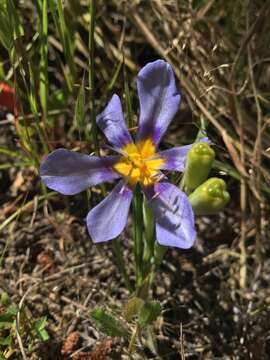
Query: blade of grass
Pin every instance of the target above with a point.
(43, 65)
(115, 76)
(64, 35)
(12, 165)
(6, 34)
(91, 79)
(13, 154)
(128, 101)
(15, 20)
(79, 116)
(18, 57)
(34, 108)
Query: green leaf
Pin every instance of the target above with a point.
(58, 99)
(6, 322)
(132, 308)
(2, 356)
(64, 33)
(149, 313)
(6, 341)
(128, 102)
(5, 300)
(151, 340)
(6, 319)
(15, 19)
(41, 323)
(108, 323)
(44, 335)
(6, 35)
(43, 63)
(115, 75)
(40, 328)
(12, 310)
(13, 154)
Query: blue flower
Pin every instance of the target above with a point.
(140, 162)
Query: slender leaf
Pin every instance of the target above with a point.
(149, 313)
(108, 323)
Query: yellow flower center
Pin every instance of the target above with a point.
(139, 163)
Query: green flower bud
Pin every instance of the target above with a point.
(198, 165)
(210, 197)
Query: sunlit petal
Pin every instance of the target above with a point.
(174, 158)
(69, 172)
(108, 219)
(159, 100)
(111, 122)
(173, 215)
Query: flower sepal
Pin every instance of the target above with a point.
(210, 197)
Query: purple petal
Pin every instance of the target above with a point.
(108, 219)
(175, 158)
(111, 122)
(69, 172)
(159, 100)
(204, 139)
(173, 215)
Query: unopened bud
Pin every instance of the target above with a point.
(198, 165)
(210, 197)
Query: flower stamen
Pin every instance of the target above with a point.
(139, 163)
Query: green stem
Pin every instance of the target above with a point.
(138, 234)
(152, 268)
(149, 233)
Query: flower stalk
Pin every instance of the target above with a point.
(138, 234)
(149, 235)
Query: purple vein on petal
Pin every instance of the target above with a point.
(69, 172)
(173, 214)
(111, 122)
(108, 219)
(159, 100)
